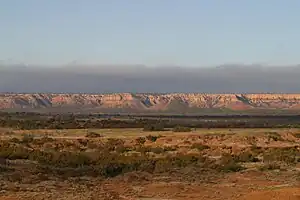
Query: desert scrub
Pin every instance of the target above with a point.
(296, 135)
(91, 134)
(6, 169)
(13, 152)
(140, 140)
(289, 155)
(274, 136)
(154, 127)
(112, 144)
(93, 145)
(246, 157)
(179, 161)
(269, 166)
(228, 163)
(199, 146)
(146, 149)
(15, 140)
(170, 148)
(153, 138)
(43, 140)
(181, 129)
(256, 150)
(157, 150)
(27, 138)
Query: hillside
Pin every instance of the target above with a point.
(172, 102)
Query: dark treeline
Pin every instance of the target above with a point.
(72, 121)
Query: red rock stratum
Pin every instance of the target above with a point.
(152, 102)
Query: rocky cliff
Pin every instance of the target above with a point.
(152, 102)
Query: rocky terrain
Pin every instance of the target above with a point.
(175, 102)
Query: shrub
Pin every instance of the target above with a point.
(157, 150)
(92, 135)
(27, 138)
(269, 166)
(92, 145)
(122, 149)
(140, 140)
(112, 144)
(83, 142)
(231, 167)
(154, 127)
(170, 148)
(14, 140)
(181, 129)
(229, 164)
(274, 136)
(296, 135)
(5, 169)
(287, 155)
(152, 138)
(246, 157)
(199, 146)
(43, 140)
(143, 149)
(19, 153)
(257, 150)
(14, 152)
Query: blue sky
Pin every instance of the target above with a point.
(151, 32)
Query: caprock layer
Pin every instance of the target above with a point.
(152, 102)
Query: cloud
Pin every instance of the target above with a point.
(141, 79)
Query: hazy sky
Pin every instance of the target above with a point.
(152, 32)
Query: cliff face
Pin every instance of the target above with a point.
(155, 102)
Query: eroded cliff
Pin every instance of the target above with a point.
(155, 102)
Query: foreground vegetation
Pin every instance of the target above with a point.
(123, 163)
(94, 155)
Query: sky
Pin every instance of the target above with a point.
(150, 32)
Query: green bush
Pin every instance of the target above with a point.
(152, 138)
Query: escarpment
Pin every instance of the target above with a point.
(152, 102)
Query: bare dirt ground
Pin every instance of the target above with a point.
(271, 177)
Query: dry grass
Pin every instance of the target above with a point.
(133, 132)
(82, 161)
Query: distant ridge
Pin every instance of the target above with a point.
(139, 102)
